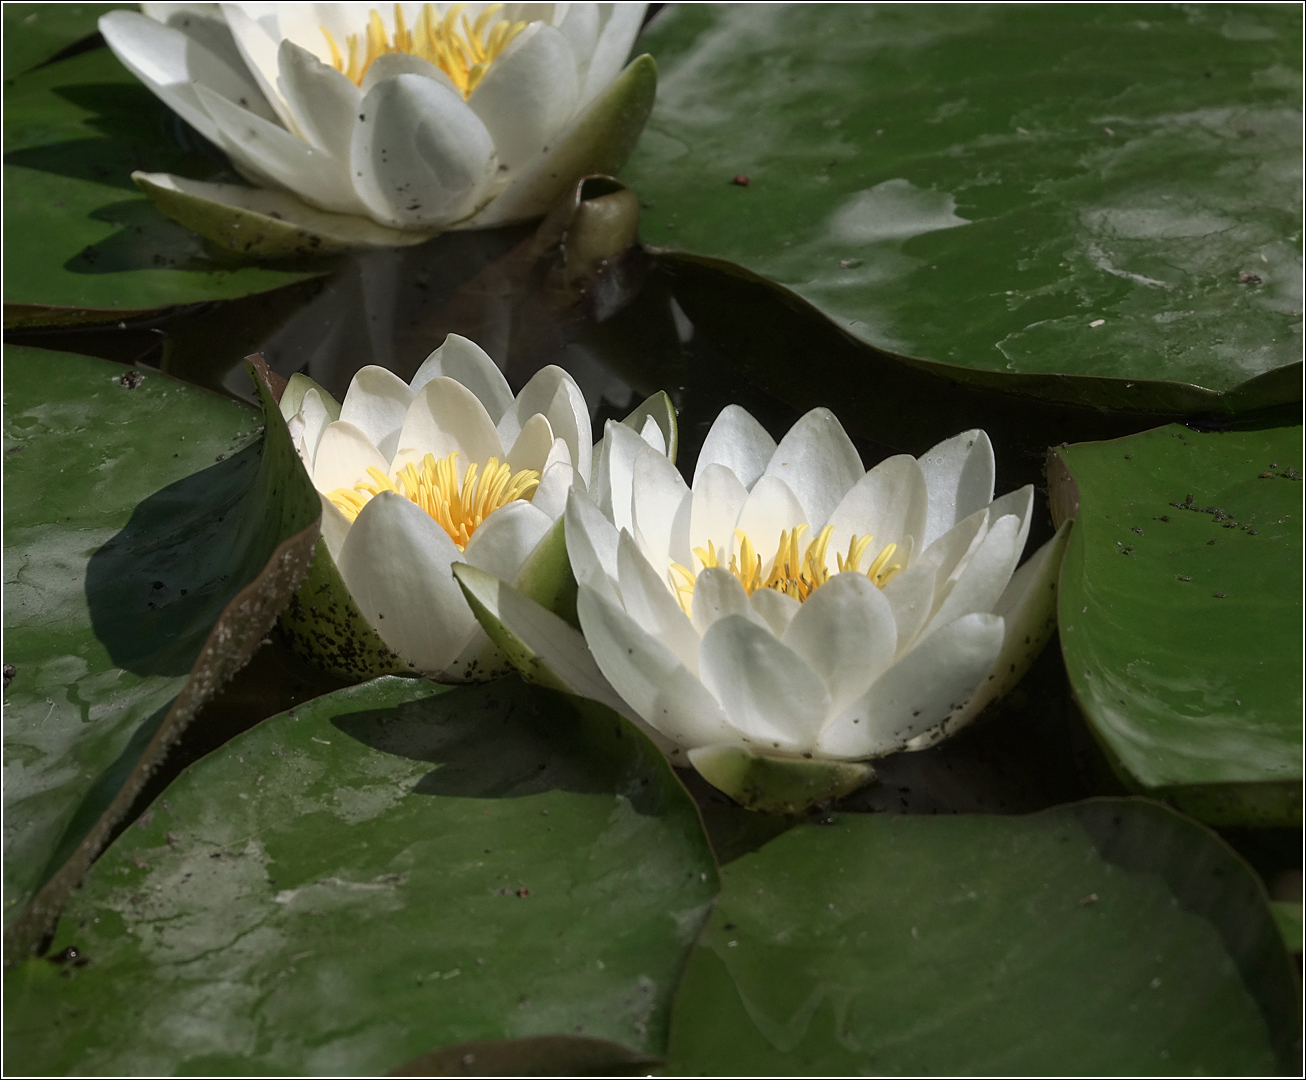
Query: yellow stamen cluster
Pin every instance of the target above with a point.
(434, 487)
(462, 48)
(794, 574)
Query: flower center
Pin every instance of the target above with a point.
(463, 49)
(434, 487)
(794, 574)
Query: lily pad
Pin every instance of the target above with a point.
(149, 545)
(1112, 937)
(1079, 189)
(382, 872)
(90, 247)
(1180, 611)
(35, 33)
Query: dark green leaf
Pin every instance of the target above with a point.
(1180, 613)
(386, 870)
(148, 548)
(90, 246)
(33, 33)
(1098, 190)
(1112, 937)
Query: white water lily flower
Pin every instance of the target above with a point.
(415, 116)
(794, 605)
(451, 467)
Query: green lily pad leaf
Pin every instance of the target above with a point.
(90, 247)
(268, 224)
(385, 870)
(658, 408)
(1112, 937)
(150, 540)
(35, 33)
(599, 141)
(777, 785)
(1059, 189)
(1180, 614)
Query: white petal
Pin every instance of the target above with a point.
(259, 48)
(531, 450)
(959, 475)
(580, 26)
(445, 416)
(528, 95)
(462, 360)
(660, 505)
(919, 592)
(315, 416)
(819, 463)
(170, 64)
(268, 151)
(664, 693)
(648, 600)
(551, 496)
(297, 386)
(888, 503)
(344, 455)
(767, 690)
(303, 24)
(420, 158)
(388, 65)
(1019, 502)
(613, 472)
(377, 403)
(559, 454)
(335, 526)
(921, 690)
(717, 593)
(718, 499)
(553, 392)
(203, 23)
(738, 442)
(591, 545)
(395, 562)
(504, 539)
(845, 631)
(771, 508)
(652, 434)
(776, 609)
(325, 103)
(615, 39)
(1028, 607)
(984, 577)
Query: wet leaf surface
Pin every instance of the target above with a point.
(148, 548)
(390, 868)
(1181, 618)
(1110, 937)
(1078, 189)
(35, 33)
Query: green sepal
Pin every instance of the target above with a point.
(263, 223)
(659, 407)
(546, 576)
(777, 785)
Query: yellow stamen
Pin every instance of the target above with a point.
(795, 572)
(462, 49)
(458, 510)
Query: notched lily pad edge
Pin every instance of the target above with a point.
(231, 643)
(1269, 390)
